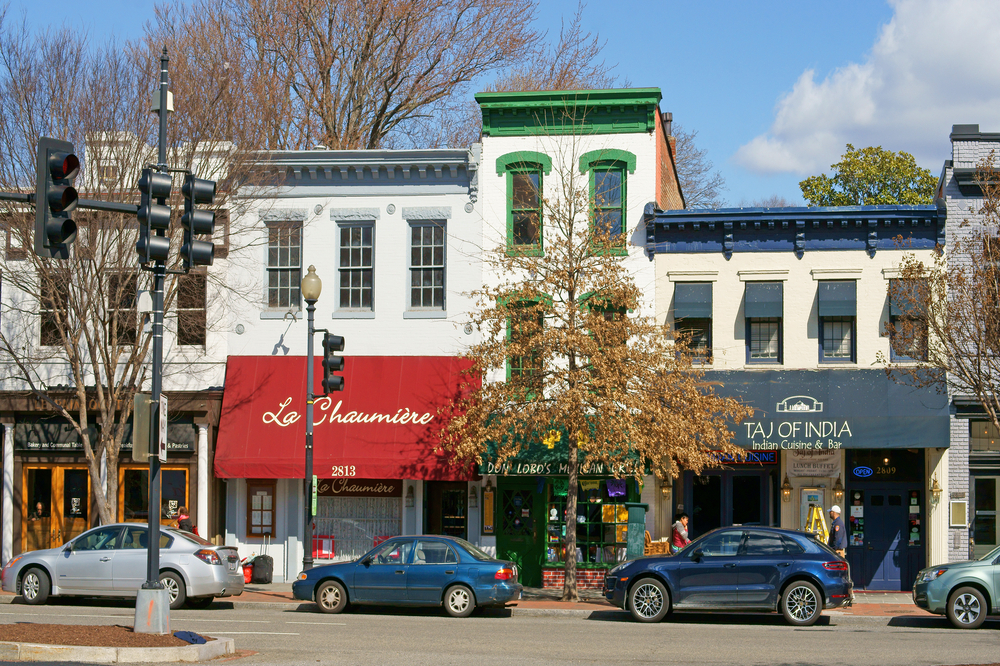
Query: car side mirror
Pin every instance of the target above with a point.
(697, 555)
(68, 548)
(367, 562)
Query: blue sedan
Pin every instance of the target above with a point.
(413, 571)
(735, 568)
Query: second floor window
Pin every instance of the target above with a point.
(427, 266)
(525, 368)
(838, 308)
(608, 192)
(356, 245)
(762, 308)
(53, 306)
(525, 215)
(693, 316)
(284, 265)
(123, 315)
(908, 329)
(191, 299)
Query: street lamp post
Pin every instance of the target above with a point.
(311, 288)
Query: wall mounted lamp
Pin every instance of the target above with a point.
(936, 491)
(838, 491)
(473, 497)
(665, 491)
(786, 490)
(409, 496)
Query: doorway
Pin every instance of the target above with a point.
(984, 519)
(727, 497)
(56, 505)
(886, 550)
(519, 538)
(446, 508)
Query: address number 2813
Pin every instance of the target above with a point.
(342, 470)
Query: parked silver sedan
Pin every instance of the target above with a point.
(110, 561)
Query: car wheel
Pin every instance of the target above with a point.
(648, 600)
(174, 586)
(200, 602)
(35, 587)
(331, 597)
(967, 608)
(458, 601)
(800, 604)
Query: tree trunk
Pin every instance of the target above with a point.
(569, 584)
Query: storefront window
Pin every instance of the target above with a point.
(260, 508)
(983, 436)
(601, 520)
(133, 493)
(355, 524)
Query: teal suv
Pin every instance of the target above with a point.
(964, 591)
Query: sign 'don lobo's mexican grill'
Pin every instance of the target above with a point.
(383, 427)
(827, 410)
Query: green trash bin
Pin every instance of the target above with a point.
(635, 546)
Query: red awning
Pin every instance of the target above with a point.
(381, 427)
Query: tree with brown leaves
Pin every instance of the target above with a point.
(571, 355)
(945, 324)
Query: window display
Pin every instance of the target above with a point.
(601, 518)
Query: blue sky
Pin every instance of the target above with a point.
(775, 89)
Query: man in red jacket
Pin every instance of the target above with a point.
(679, 538)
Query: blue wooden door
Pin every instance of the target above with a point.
(886, 528)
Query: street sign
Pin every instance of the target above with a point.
(163, 428)
(315, 493)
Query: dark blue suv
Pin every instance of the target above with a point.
(739, 569)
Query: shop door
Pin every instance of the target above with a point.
(56, 506)
(984, 521)
(884, 554)
(519, 537)
(446, 508)
(726, 498)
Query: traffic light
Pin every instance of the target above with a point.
(197, 222)
(153, 216)
(56, 168)
(331, 364)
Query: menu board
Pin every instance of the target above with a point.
(856, 520)
(914, 517)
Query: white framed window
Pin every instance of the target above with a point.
(356, 266)
(427, 265)
(284, 265)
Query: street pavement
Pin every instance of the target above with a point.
(279, 632)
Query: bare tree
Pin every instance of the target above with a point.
(701, 186)
(946, 327)
(773, 201)
(589, 371)
(352, 74)
(71, 335)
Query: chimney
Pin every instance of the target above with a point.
(668, 121)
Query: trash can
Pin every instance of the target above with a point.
(635, 545)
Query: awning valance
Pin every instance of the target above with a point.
(838, 299)
(693, 299)
(763, 299)
(381, 427)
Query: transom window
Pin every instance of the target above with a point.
(357, 256)
(284, 264)
(427, 266)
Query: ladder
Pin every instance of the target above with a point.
(816, 523)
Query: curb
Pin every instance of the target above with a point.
(109, 655)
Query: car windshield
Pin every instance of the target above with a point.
(988, 557)
(480, 555)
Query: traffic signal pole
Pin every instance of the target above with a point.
(152, 612)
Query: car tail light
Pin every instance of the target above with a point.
(505, 573)
(836, 565)
(209, 556)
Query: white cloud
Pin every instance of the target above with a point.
(933, 65)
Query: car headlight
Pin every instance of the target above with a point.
(12, 561)
(619, 568)
(931, 574)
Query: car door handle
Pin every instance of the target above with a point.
(450, 572)
(105, 559)
(729, 566)
(785, 564)
(399, 571)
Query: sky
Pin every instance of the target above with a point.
(775, 89)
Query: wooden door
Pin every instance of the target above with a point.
(56, 505)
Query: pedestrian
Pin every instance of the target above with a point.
(838, 532)
(679, 537)
(184, 520)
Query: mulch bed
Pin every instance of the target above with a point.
(93, 635)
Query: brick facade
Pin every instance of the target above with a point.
(586, 579)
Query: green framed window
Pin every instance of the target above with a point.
(607, 189)
(525, 322)
(601, 521)
(524, 171)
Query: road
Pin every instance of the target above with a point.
(425, 636)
